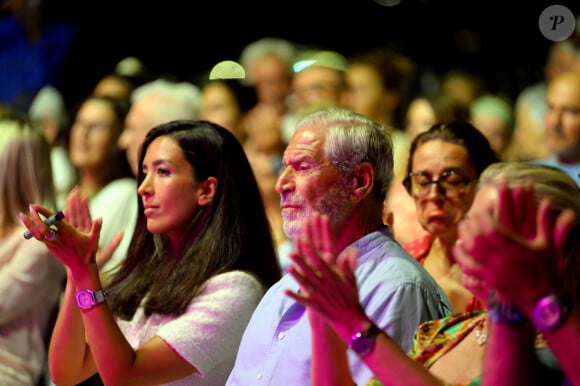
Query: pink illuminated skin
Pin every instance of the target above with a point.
(170, 196)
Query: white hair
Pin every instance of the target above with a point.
(183, 99)
(268, 46)
(48, 103)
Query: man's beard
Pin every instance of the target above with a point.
(333, 204)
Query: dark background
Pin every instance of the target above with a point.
(499, 40)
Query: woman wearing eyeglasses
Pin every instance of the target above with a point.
(442, 173)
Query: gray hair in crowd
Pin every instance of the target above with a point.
(352, 139)
(48, 104)
(178, 100)
(268, 46)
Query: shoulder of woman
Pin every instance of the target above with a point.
(235, 279)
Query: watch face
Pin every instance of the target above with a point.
(84, 299)
(361, 345)
(550, 313)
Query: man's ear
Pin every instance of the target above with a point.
(363, 181)
(208, 189)
(389, 219)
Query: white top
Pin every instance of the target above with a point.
(63, 174)
(116, 203)
(208, 334)
(30, 286)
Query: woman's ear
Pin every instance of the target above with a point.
(208, 189)
(363, 180)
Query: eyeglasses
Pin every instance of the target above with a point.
(451, 182)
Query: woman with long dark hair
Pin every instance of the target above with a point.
(199, 261)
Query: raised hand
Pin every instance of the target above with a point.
(326, 287)
(514, 246)
(77, 211)
(75, 249)
(78, 215)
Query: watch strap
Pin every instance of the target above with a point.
(505, 313)
(100, 296)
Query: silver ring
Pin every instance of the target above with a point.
(51, 235)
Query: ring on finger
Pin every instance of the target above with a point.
(51, 235)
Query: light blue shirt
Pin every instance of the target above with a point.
(396, 292)
(570, 169)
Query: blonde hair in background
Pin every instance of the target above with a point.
(25, 170)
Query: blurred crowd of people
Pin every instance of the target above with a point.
(430, 185)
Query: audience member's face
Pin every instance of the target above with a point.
(113, 87)
(460, 87)
(310, 182)
(269, 76)
(420, 117)
(317, 85)
(51, 130)
(263, 132)
(439, 210)
(495, 130)
(139, 121)
(169, 193)
(219, 105)
(265, 177)
(562, 118)
(561, 60)
(93, 135)
(365, 93)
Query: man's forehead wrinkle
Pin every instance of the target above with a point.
(306, 143)
(311, 137)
